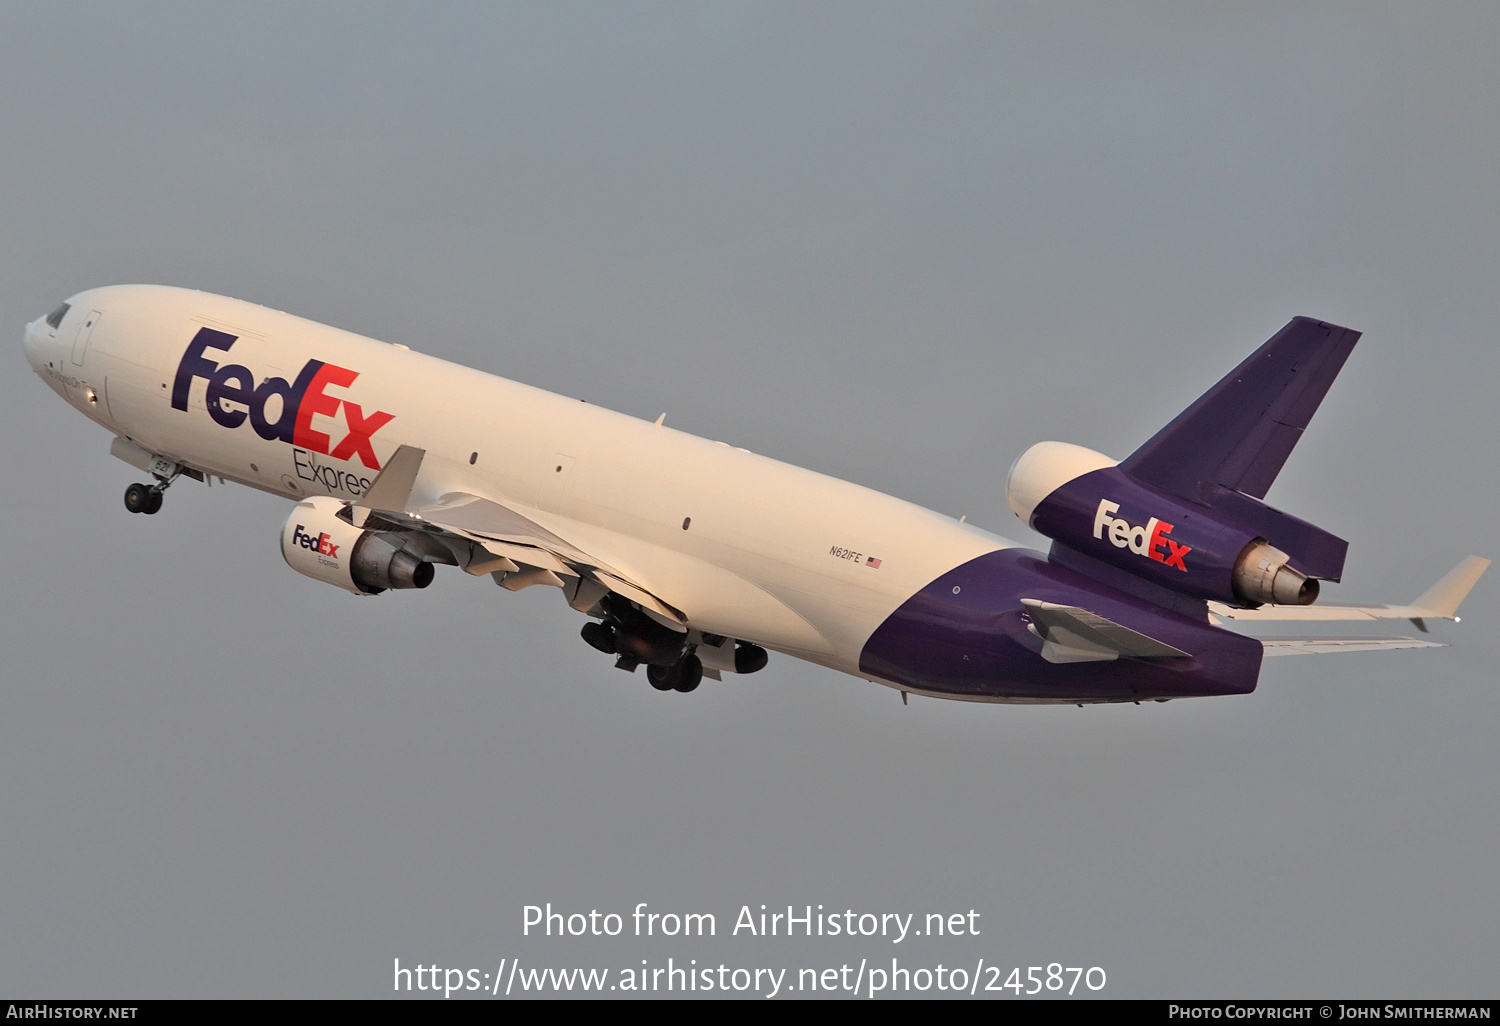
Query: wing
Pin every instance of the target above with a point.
(1071, 634)
(1439, 602)
(505, 532)
(503, 540)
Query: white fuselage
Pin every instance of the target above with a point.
(747, 547)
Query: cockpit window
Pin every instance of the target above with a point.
(55, 317)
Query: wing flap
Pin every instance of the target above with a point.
(641, 597)
(484, 518)
(504, 553)
(507, 533)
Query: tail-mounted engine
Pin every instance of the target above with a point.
(1083, 500)
(1186, 510)
(315, 542)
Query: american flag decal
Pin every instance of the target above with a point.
(873, 563)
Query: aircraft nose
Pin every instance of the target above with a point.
(34, 341)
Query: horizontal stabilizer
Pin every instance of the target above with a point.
(1240, 432)
(1323, 646)
(1439, 602)
(1071, 634)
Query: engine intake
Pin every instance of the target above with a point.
(317, 544)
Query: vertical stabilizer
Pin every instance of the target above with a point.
(1239, 433)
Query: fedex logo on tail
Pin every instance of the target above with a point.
(1149, 540)
(300, 400)
(321, 544)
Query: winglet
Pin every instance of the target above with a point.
(392, 486)
(1441, 601)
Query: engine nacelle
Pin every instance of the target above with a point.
(1261, 574)
(317, 544)
(1082, 499)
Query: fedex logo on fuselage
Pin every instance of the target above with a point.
(321, 544)
(1143, 541)
(300, 401)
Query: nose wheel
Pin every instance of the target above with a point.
(142, 498)
(146, 498)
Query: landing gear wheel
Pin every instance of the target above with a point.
(138, 499)
(689, 674)
(600, 636)
(683, 675)
(748, 658)
(153, 502)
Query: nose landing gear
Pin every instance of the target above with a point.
(142, 498)
(146, 498)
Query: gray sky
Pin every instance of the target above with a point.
(893, 243)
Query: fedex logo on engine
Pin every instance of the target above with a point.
(321, 544)
(299, 401)
(1143, 541)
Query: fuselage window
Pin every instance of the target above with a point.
(55, 317)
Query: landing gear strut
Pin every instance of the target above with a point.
(142, 498)
(146, 498)
(635, 638)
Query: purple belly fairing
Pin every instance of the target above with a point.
(965, 635)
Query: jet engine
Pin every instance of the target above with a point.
(316, 543)
(1089, 505)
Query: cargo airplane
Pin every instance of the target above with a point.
(694, 558)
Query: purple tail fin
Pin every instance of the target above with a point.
(1240, 432)
(1226, 449)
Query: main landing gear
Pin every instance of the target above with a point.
(683, 675)
(671, 662)
(142, 498)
